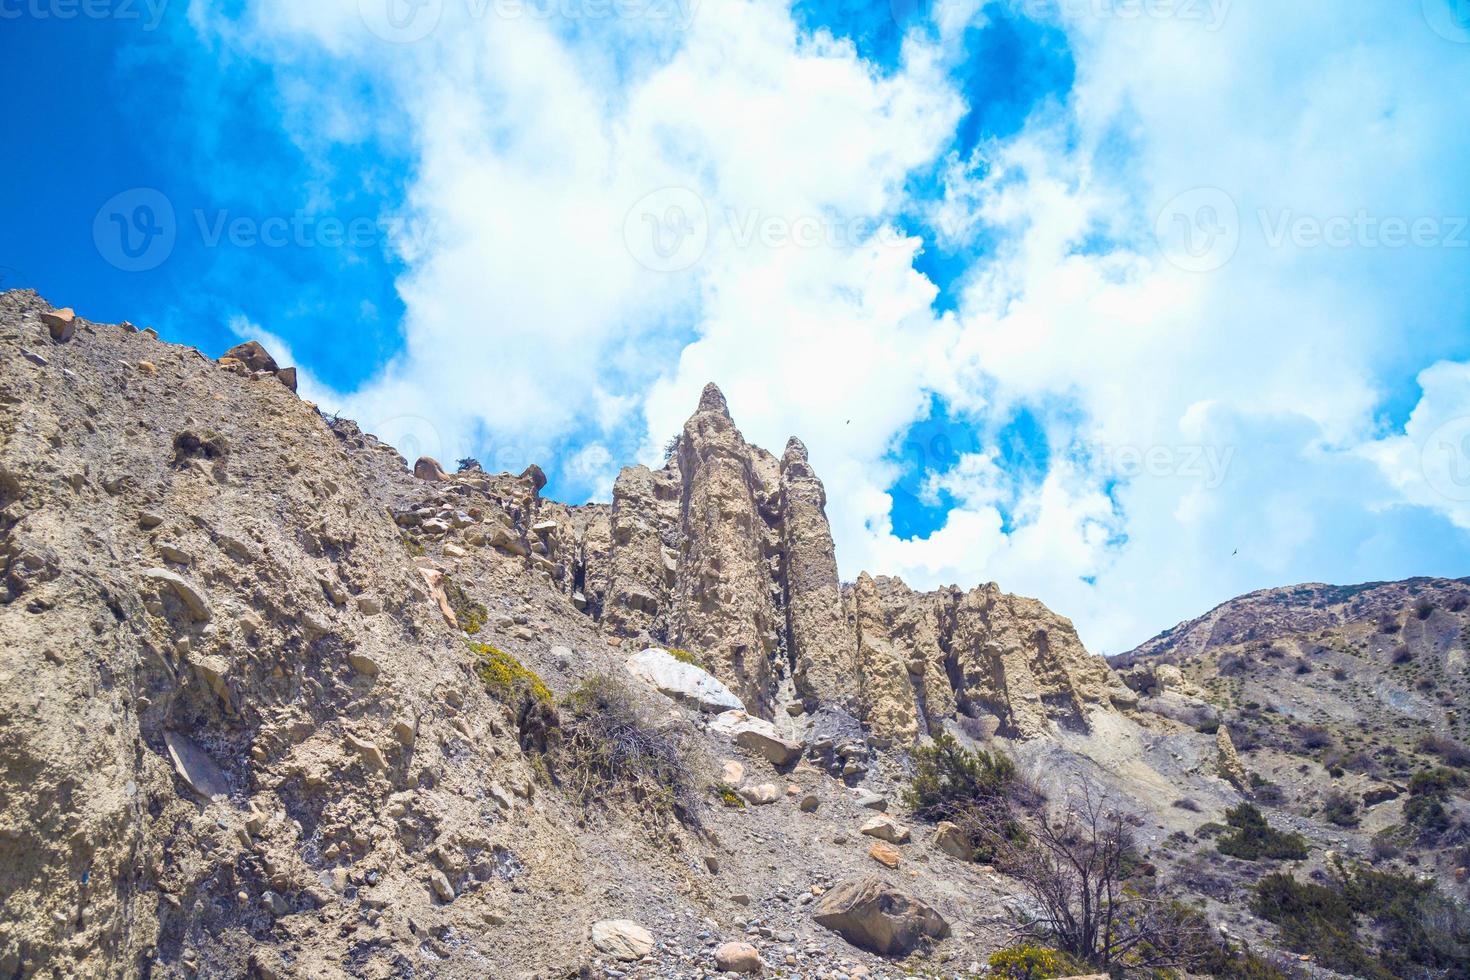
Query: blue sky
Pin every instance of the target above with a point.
(1129, 307)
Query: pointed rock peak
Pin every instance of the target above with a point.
(713, 400)
(795, 449)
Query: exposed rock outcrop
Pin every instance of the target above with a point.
(727, 551)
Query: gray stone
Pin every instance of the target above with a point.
(682, 682)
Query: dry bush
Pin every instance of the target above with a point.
(611, 750)
(1083, 874)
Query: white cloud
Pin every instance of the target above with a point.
(1223, 430)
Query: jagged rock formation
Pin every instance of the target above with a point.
(727, 551)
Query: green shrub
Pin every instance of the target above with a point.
(685, 657)
(611, 750)
(1252, 839)
(1028, 962)
(1341, 809)
(505, 679)
(950, 779)
(1425, 813)
(1417, 931)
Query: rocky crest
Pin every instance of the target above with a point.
(727, 551)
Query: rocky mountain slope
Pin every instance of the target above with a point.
(274, 703)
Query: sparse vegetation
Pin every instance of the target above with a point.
(610, 749)
(1416, 931)
(470, 465)
(950, 779)
(1028, 962)
(1449, 751)
(1251, 838)
(1088, 883)
(1340, 808)
(506, 680)
(685, 657)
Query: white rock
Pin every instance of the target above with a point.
(682, 682)
(622, 939)
(884, 828)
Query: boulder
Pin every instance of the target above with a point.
(622, 939)
(505, 539)
(873, 915)
(428, 468)
(62, 323)
(949, 838)
(884, 828)
(738, 958)
(885, 854)
(253, 356)
(681, 682)
(434, 579)
(760, 794)
(757, 735)
(287, 377)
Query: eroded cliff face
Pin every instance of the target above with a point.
(727, 552)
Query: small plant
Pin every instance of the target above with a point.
(1450, 752)
(1027, 962)
(505, 679)
(1252, 839)
(1417, 931)
(1341, 809)
(470, 465)
(684, 657)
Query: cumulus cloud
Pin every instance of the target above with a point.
(620, 215)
